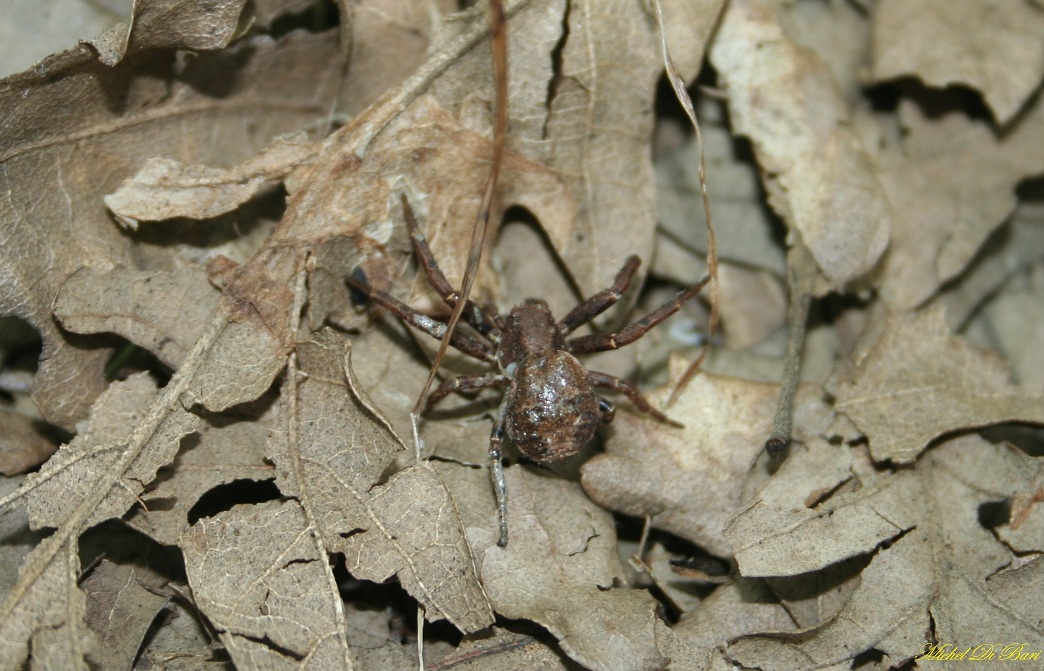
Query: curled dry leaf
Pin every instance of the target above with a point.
(199, 25)
(576, 110)
(993, 46)
(917, 381)
(164, 189)
(260, 578)
(331, 452)
(559, 567)
(936, 560)
(817, 175)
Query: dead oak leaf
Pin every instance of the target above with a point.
(917, 381)
(259, 577)
(558, 568)
(582, 93)
(331, 452)
(818, 178)
(992, 46)
(96, 477)
(937, 562)
(66, 144)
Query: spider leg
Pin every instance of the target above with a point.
(496, 472)
(616, 384)
(464, 383)
(602, 301)
(422, 322)
(485, 321)
(606, 341)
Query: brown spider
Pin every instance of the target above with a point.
(550, 410)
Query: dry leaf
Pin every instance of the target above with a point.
(257, 574)
(121, 606)
(687, 480)
(164, 189)
(936, 560)
(559, 567)
(67, 144)
(993, 46)
(330, 455)
(223, 450)
(137, 305)
(22, 445)
(817, 176)
(950, 183)
(917, 382)
(199, 25)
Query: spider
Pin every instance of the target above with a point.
(550, 410)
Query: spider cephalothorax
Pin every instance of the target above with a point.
(550, 409)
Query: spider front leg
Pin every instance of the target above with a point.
(601, 342)
(484, 321)
(423, 322)
(602, 301)
(630, 391)
(496, 472)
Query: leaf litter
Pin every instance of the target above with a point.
(259, 434)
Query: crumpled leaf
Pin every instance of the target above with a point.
(67, 143)
(816, 173)
(936, 561)
(993, 46)
(687, 480)
(917, 382)
(573, 109)
(950, 184)
(257, 574)
(330, 455)
(558, 568)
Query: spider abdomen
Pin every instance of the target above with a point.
(552, 410)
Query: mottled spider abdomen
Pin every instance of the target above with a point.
(552, 411)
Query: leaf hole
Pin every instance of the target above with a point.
(993, 514)
(225, 497)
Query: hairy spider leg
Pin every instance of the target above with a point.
(601, 342)
(483, 320)
(462, 384)
(602, 301)
(606, 381)
(496, 472)
(422, 322)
